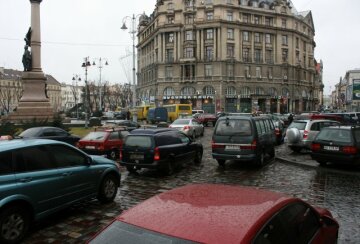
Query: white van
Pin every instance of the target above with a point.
(196, 111)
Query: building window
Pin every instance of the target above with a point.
(269, 56)
(246, 54)
(283, 23)
(230, 90)
(209, 34)
(168, 72)
(188, 90)
(229, 16)
(189, 3)
(170, 6)
(284, 55)
(297, 42)
(188, 71)
(257, 37)
(189, 52)
(209, 2)
(268, 38)
(296, 26)
(270, 72)
(229, 1)
(208, 70)
(230, 51)
(230, 34)
(297, 56)
(257, 55)
(268, 21)
(284, 39)
(189, 35)
(257, 19)
(247, 71)
(230, 70)
(209, 52)
(169, 37)
(258, 72)
(189, 19)
(169, 55)
(169, 91)
(246, 18)
(209, 15)
(245, 36)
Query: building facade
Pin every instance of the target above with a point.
(233, 55)
(11, 90)
(351, 82)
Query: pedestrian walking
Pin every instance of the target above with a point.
(290, 118)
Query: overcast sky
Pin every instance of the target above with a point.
(74, 29)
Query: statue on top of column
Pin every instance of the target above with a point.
(27, 59)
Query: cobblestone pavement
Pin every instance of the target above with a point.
(292, 173)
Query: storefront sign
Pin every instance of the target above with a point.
(188, 97)
(356, 89)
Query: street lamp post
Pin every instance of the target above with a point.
(75, 79)
(85, 65)
(100, 66)
(132, 31)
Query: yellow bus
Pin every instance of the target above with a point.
(176, 110)
(142, 111)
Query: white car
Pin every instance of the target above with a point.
(189, 127)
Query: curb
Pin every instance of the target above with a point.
(302, 164)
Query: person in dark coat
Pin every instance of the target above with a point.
(128, 115)
(290, 118)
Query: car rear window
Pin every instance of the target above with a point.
(233, 127)
(181, 122)
(300, 125)
(331, 134)
(138, 141)
(96, 135)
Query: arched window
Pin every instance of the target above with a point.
(304, 94)
(245, 91)
(273, 92)
(209, 90)
(259, 91)
(285, 92)
(297, 93)
(187, 90)
(230, 90)
(169, 91)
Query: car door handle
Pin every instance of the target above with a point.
(25, 180)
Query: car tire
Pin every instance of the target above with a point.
(198, 157)
(272, 152)
(113, 154)
(108, 189)
(322, 163)
(213, 124)
(293, 135)
(221, 162)
(14, 224)
(296, 149)
(260, 160)
(169, 167)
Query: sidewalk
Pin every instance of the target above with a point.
(285, 154)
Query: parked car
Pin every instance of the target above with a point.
(206, 119)
(243, 138)
(41, 177)
(189, 126)
(215, 213)
(197, 111)
(156, 115)
(158, 148)
(337, 144)
(301, 133)
(48, 132)
(104, 141)
(279, 125)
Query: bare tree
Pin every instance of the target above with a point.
(10, 95)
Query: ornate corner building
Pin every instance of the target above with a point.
(232, 55)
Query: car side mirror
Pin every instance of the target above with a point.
(89, 161)
(327, 221)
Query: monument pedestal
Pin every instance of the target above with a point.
(33, 104)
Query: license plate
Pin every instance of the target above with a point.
(232, 147)
(137, 156)
(330, 148)
(90, 147)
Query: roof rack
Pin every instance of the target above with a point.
(109, 128)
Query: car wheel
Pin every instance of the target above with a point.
(169, 167)
(113, 155)
(272, 152)
(296, 149)
(260, 159)
(14, 223)
(221, 162)
(131, 169)
(198, 157)
(213, 124)
(108, 189)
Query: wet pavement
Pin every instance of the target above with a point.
(334, 188)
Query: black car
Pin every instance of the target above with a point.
(337, 144)
(48, 132)
(158, 148)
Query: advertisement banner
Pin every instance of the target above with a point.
(356, 89)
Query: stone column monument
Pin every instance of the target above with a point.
(34, 102)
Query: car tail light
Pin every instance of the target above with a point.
(252, 146)
(315, 147)
(121, 154)
(349, 150)
(277, 131)
(78, 145)
(156, 154)
(186, 127)
(214, 145)
(306, 133)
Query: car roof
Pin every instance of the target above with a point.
(207, 213)
(150, 131)
(21, 143)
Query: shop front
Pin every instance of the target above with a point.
(206, 103)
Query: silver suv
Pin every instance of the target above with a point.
(301, 133)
